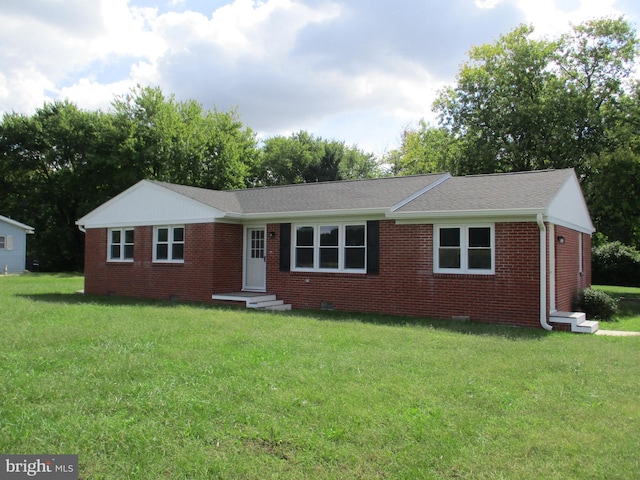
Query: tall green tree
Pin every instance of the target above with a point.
(524, 103)
(425, 149)
(304, 158)
(179, 142)
(55, 165)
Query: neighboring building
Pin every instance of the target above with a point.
(506, 248)
(13, 245)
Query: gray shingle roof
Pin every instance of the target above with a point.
(380, 193)
(433, 193)
(511, 191)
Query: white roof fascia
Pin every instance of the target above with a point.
(563, 223)
(311, 213)
(456, 215)
(23, 226)
(158, 206)
(420, 192)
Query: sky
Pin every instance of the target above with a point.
(358, 71)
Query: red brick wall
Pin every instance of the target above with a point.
(212, 264)
(568, 277)
(407, 285)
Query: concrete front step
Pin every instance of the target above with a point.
(577, 320)
(254, 300)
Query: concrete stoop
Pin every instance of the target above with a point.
(260, 301)
(577, 320)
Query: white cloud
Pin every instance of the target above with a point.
(351, 70)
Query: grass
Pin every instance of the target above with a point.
(146, 390)
(628, 316)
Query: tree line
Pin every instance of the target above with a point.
(520, 103)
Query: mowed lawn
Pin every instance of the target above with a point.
(147, 390)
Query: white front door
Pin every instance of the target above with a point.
(255, 260)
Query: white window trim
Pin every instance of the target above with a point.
(316, 247)
(464, 248)
(170, 243)
(122, 231)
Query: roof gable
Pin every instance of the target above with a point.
(149, 203)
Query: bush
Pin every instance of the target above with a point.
(596, 304)
(615, 263)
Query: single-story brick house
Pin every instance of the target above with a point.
(505, 248)
(13, 245)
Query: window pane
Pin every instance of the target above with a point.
(178, 234)
(449, 237)
(354, 258)
(162, 251)
(128, 251)
(304, 257)
(328, 258)
(115, 236)
(304, 236)
(480, 237)
(449, 258)
(354, 235)
(128, 236)
(163, 234)
(177, 251)
(115, 251)
(480, 258)
(329, 236)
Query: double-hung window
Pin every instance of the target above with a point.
(3, 242)
(464, 249)
(121, 241)
(331, 247)
(168, 244)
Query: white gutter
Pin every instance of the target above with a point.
(543, 273)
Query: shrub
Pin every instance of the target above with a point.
(596, 304)
(615, 263)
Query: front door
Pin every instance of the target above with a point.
(255, 260)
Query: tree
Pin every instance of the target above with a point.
(179, 142)
(425, 149)
(303, 158)
(55, 167)
(525, 104)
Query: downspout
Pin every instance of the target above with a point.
(543, 274)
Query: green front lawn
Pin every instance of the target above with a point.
(628, 316)
(148, 390)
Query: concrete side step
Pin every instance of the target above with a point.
(588, 326)
(247, 298)
(577, 320)
(254, 300)
(264, 303)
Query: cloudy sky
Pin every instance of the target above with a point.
(351, 70)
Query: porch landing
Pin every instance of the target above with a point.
(259, 300)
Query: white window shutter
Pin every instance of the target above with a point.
(9, 242)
